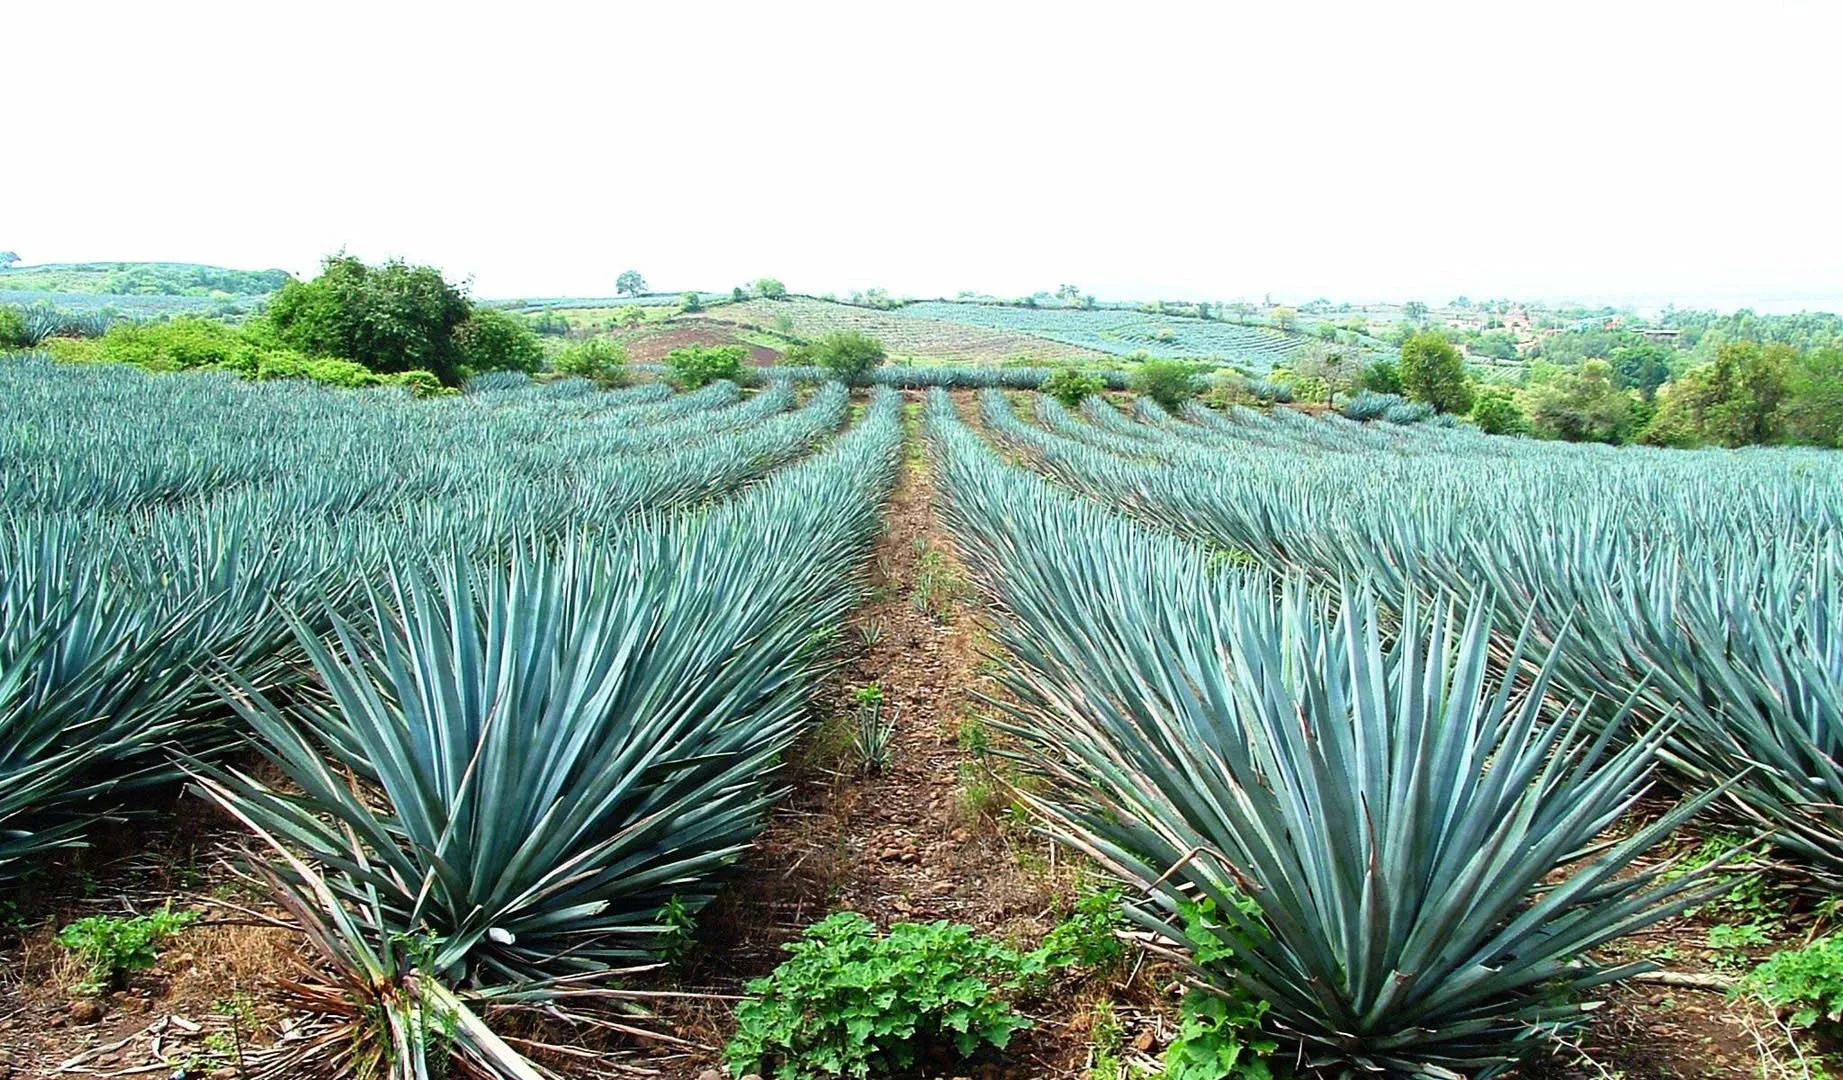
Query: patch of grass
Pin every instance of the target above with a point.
(974, 737)
(940, 586)
(1108, 1040)
(981, 796)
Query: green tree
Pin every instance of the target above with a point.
(1168, 382)
(1382, 376)
(690, 301)
(1642, 366)
(769, 289)
(1581, 405)
(847, 354)
(1494, 343)
(1813, 409)
(1335, 368)
(390, 318)
(8, 259)
(1749, 384)
(1496, 412)
(493, 340)
(630, 316)
(1734, 401)
(1433, 371)
(1285, 317)
(1414, 311)
(630, 283)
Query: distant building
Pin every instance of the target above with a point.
(1668, 335)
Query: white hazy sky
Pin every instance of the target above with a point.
(1605, 150)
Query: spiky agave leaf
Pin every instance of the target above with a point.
(94, 683)
(387, 1017)
(1753, 651)
(562, 749)
(1418, 843)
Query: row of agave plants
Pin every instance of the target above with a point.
(153, 527)
(524, 657)
(1372, 819)
(1699, 589)
(565, 745)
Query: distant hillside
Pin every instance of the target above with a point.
(140, 279)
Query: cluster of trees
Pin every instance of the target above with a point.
(396, 317)
(353, 325)
(1754, 393)
(1747, 393)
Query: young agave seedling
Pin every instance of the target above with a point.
(876, 730)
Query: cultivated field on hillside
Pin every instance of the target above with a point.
(1121, 332)
(903, 334)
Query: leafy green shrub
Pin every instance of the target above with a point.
(850, 1002)
(1807, 982)
(848, 355)
(700, 365)
(770, 289)
(183, 344)
(602, 359)
(493, 340)
(1070, 385)
(419, 383)
(1381, 377)
(1496, 412)
(1219, 1038)
(114, 945)
(12, 329)
(1086, 938)
(690, 302)
(341, 373)
(393, 317)
(1168, 382)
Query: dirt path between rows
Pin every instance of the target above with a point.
(925, 838)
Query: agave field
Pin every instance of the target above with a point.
(1373, 740)
(1348, 701)
(514, 663)
(903, 333)
(1123, 331)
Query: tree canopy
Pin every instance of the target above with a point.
(1433, 371)
(390, 318)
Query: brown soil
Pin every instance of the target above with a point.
(650, 344)
(221, 966)
(907, 845)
